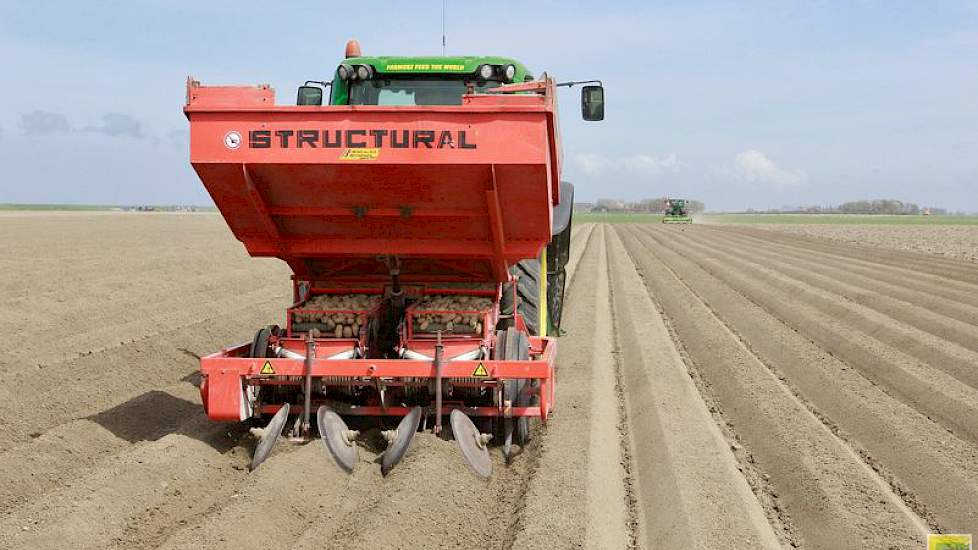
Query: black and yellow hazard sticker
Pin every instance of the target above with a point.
(267, 368)
(480, 371)
(360, 153)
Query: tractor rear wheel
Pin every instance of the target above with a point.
(528, 275)
(527, 283)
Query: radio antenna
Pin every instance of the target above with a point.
(444, 4)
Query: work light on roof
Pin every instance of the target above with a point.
(485, 71)
(344, 71)
(509, 72)
(364, 72)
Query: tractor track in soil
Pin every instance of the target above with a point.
(716, 387)
(823, 503)
(910, 365)
(832, 344)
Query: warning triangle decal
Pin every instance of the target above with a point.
(267, 368)
(480, 371)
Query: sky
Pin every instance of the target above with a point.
(738, 104)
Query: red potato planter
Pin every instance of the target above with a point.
(417, 243)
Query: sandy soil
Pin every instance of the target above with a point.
(718, 387)
(960, 242)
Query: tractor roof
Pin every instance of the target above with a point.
(432, 64)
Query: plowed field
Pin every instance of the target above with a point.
(718, 387)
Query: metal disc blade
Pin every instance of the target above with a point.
(466, 435)
(332, 430)
(405, 434)
(270, 436)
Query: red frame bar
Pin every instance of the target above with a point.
(227, 372)
(374, 368)
(401, 411)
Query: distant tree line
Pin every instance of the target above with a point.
(878, 206)
(165, 208)
(646, 206)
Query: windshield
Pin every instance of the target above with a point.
(413, 91)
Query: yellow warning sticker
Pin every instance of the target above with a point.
(480, 371)
(948, 542)
(267, 368)
(360, 153)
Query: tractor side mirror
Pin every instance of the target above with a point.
(309, 95)
(592, 102)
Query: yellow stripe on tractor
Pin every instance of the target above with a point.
(542, 308)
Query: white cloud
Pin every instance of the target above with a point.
(591, 163)
(753, 166)
(43, 123)
(116, 125)
(650, 165)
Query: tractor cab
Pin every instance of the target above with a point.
(427, 81)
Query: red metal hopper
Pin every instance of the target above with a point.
(458, 192)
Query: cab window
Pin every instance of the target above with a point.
(414, 91)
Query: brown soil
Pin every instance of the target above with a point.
(717, 387)
(959, 242)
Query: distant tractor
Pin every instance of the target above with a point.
(676, 212)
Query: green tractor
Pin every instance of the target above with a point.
(676, 212)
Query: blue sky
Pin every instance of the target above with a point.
(739, 104)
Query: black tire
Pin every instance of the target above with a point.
(515, 345)
(259, 346)
(558, 254)
(527, 273)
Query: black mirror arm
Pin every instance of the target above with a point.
(323, 83)
(572, 83)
